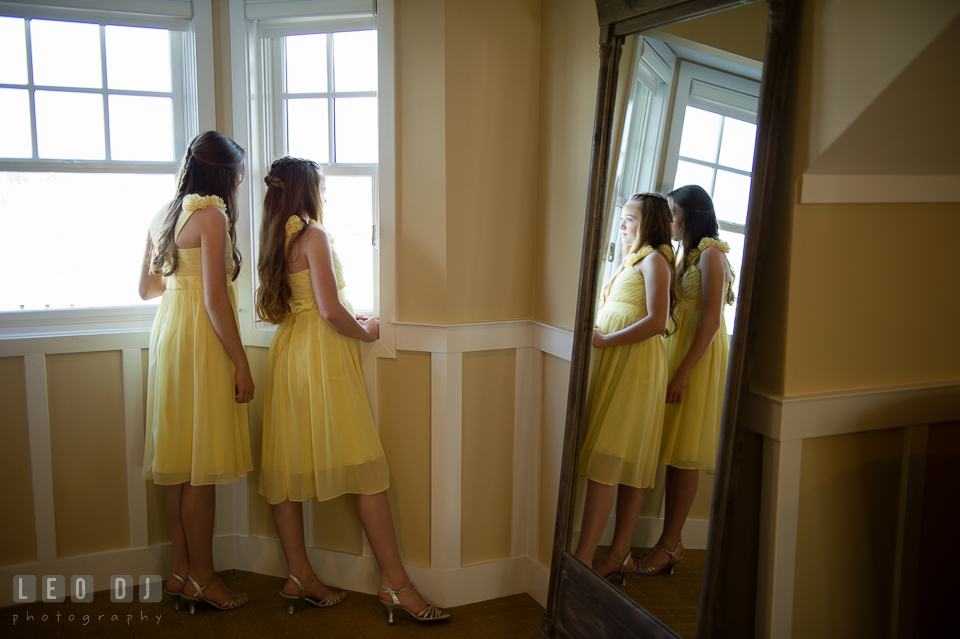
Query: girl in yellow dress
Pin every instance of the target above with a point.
(628, 380)
(319, 439)
(697, 355)
(198, 380)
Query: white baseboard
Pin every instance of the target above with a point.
(446, 588)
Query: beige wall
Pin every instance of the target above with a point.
(467, 107)
(841, 312)
(741, 30)
(17, 532)
(569, 69)
(492, 55)
(421, 161)
(88, 452)
(846, 537)
(487, 470)
(404, 403)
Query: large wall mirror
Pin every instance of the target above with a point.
(690, 93)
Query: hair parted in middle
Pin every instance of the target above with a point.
(294, 187)
(653, 230)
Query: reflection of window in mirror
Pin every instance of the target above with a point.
(644, 123)
(711, 143)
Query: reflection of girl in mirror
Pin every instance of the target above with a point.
(627, 382)
(319, 439)
(198, 379)
(697, 355)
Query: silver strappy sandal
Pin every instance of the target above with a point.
(175, 596)
(430, 613)
(622, 572)
(331, 600)
(644, 568)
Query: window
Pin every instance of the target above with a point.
(95, 111)
(711, 144)
(324, 103)
(644, 124)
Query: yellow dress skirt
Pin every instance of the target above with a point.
(625, 396)
(319, 439)
(692, 427)
(195, 430)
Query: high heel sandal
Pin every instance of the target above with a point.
(429, 613)
(235, 600)
(644, 568)
(331, 600)
(175, 596)
(622, 572)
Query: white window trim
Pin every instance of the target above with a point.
(252, 132)
(712, 90)
(719, 92)
(106, 328)
(654, 69)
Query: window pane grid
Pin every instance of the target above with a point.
(346, 147)
(103, 92)
(335, 145)
(708, 173)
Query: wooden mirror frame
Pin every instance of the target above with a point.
(580, 603)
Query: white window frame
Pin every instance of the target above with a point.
(715, 91)
(255, 122)
(719, 92)
(644, 126)
(106, 328)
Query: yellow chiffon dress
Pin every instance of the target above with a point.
(626, 389)
(691, 428)
(319, 439)
(195, 430)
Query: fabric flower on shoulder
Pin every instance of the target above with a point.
(704, 244)
(632, 258)
(193, 202)
(294, 225)
(667, 252)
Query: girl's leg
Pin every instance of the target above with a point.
(629, 503)
(596, 510)
(197, 511)
(681, 489)
(288, 516)
(181, 559)
(374, 512)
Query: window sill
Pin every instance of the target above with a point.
(75, 330)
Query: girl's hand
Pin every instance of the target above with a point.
(360, 317)
(599, 339)
(244, 387)
(372, 327)
(676, 388)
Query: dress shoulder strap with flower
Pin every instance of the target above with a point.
(193, 202)
(704, 244)
(295, 224)
(632, 258)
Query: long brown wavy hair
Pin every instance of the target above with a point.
(699, 221)
(294, 187)
(211, 165)
(654, 229)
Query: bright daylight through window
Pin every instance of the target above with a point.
(329, 98)
(89, 119)
(716, 152)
